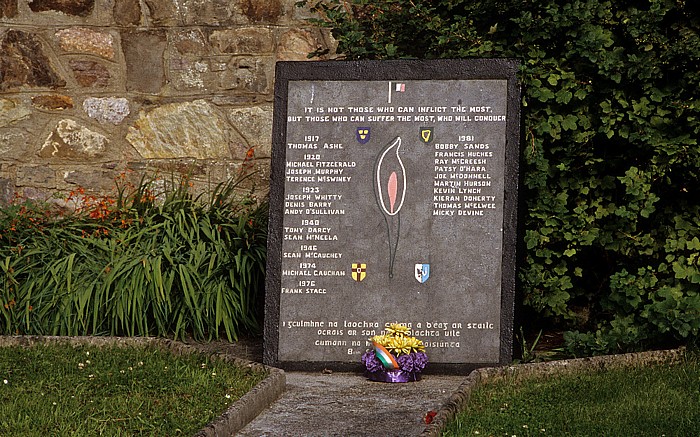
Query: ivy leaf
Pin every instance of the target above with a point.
(693, 244)
(544, 94)
(569, 122)
(563, 96)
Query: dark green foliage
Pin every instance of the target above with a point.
(611, 118)
(143, 263)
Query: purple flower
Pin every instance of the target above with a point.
(405, 362)
(420, 359)
(371, 362)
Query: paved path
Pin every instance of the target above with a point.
(342, 404)
(347, 404)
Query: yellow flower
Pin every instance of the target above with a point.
(415, 345)
(404, 345)
(399, 345)
(397, 340)
(381, 339)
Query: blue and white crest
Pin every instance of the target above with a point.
(422, 272)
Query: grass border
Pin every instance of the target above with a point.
(236, 416)
(460, 399)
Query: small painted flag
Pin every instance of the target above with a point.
(359, 271)
(384, 356)
(400, 87)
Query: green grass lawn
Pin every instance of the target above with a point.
(661, 400)
(64, 390)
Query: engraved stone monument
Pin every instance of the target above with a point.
(393, 199)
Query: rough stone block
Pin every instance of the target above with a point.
(212, 12)
(194, 12)
(188, 74)
(127, 12)
(84, 40)
(186, 166)
(255, 176)
(255, 126)
(107, 109)
(35, 193)
(162, 12)
(69, 140)
(52, 102)
(8, 8)
(11, 140)
(190, 42)
(248, 74)
(94, 180)
(36, 176)
(231, 99)
(257, 11)
(7, 191)
(296, 44)
(143, 53)
(23, 63)
(300, 15)
(12, 111)
(243, 41)
(181, 130)
(80, 8)
(90, 74)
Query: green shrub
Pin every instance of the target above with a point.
(611, 117)
(143, 263)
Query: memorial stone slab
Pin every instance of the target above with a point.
(393, 198)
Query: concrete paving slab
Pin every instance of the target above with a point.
(347, 404)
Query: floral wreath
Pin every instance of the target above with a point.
(395, 350)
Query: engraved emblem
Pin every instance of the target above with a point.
(422, 272)
(390, 191)
(362, 135)
(426, 134)
(359, 271)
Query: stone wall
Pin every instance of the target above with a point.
(91, 89)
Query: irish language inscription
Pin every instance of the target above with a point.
(393, 212)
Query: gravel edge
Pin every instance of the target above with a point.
(237, 416)
(460, 399)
